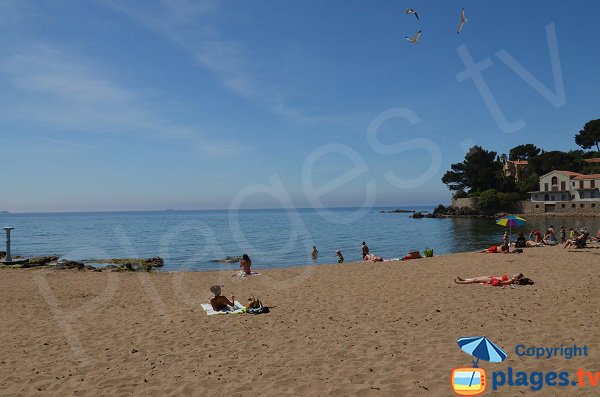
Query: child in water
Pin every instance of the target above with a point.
(338, 253)
(314, 254)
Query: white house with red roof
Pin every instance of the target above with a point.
(567, 190)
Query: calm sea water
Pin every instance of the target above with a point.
(189, 240)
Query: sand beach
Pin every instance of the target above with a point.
(368, 329)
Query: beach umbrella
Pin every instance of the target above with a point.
(481, 348)
(510, 221)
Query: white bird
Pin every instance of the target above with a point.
(411, 11)
(415, 38)
(462, 21)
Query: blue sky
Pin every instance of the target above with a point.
(142, 105)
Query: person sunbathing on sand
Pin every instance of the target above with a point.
(536, 236)
(496, 281)
(219, 302)
(496, 249)
(372, 258)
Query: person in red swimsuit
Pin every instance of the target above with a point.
(492, 280)
(496, 249)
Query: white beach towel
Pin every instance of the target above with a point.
(242, 274)
(236, 310)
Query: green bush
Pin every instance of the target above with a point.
(491, 201)
(460, 194)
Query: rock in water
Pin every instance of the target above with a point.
(67, 264)
(228, 259)
(41, 261)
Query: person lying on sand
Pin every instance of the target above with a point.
(496, 249)
(412, 255)
(536, 236)
(495, 281)
(219, 302)
(372, 258)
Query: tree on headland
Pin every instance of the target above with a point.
(523, 152)
(556, 160)
(481, 170)
(589, 136)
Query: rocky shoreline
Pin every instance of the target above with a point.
(453, 212)
(466, 212)
(111, 264)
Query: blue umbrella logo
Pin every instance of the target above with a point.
(481, 348)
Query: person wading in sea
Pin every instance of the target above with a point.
(365, 250)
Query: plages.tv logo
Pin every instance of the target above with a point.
(472, 381)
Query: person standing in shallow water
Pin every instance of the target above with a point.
(365, 250)
(338, 253)
(314, 254)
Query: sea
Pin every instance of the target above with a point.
(273, 238)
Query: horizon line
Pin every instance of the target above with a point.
(214, 209)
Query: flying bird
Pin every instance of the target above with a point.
(462, 21)
(411, 11)
(415, 38)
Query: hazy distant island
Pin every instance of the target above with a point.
(4, 212)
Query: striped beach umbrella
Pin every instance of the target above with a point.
(481, 348)
(510, 221)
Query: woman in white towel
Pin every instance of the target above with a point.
(219, 302)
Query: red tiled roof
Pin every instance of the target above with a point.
(594, 160)
(519, 162)
(569, 173)
(590, 176)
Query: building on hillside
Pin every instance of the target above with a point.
(566, 191)
(515, 168)
(595, 160)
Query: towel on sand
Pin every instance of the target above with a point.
(236, 310)
(242, 274)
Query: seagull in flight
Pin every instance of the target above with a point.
(415, 38)
(462, 21)
(411, 11)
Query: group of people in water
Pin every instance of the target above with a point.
(366, 255)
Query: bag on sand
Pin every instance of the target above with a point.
(257, 310)
(525, 281)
